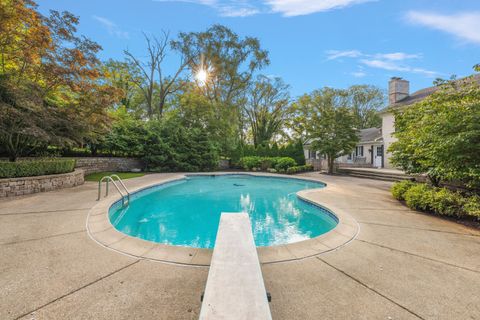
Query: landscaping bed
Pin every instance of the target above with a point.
(40, 167)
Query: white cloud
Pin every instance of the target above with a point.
(291, 8)
(288, 8)
(395, 66)
(397, 56)
(465, 25)
(359, 74)
(394, 61)
(226, 8)
(336, 54)
(112, 28)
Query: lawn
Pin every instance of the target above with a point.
(123, 175)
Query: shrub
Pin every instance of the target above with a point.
(28, 168)
(420, 197)
(298, 169)
(448, 203)
(248, 163)
(472, 207)
(284, 163)
(400, 188)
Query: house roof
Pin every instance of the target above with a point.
(366, 136)
(370, 135)
(422, 94)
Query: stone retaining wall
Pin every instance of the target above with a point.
(13, 187)
(99, 164)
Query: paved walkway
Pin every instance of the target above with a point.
(402, 265)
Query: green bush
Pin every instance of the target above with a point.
(298, 169)
(471, 207)
(420, 197)
(248, 163)
(442, 201)
(448, 203)
(284, 163)
(255, 163)
(400, 188)
(40, 167)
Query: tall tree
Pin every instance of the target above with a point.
(230, 61)
(365, 101)
(440, 136)
(266, 108)
(155, 85)
(45, 70)
(329, 123)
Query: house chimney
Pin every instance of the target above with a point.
(398, 89)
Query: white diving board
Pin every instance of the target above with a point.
(235, 288)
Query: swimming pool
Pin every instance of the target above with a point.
(186, 212)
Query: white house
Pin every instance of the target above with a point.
(372, 149)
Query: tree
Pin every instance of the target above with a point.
(155, 85)
(440, 136)
(46, 69)
(231, 61)
(266, 109)
(365, 101)
(122, 75)
(329, 123)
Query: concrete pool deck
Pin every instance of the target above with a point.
(401, 265)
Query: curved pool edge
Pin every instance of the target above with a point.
(101, 231)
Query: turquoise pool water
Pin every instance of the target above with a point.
(187, 212)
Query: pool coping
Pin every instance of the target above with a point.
(100, 230)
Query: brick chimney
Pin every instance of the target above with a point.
(398, 89)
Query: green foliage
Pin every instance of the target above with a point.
(442, 201)
(280, 164)
(448, 203)
(420, 197)
(472, 206)
(365, 101)
(127, 135)
(284, 163)
(299, 169)
(248, 163)
(293, 150)
(28, 168)
(170, 147)
(266, 109)
(440, 135)
(329, 123)
(400, 188)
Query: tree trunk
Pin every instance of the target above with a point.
(12, 157)
(331, 162)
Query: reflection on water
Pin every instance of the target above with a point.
(188, 213)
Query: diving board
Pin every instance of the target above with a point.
(235, 288)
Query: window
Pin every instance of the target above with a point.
(359, 151)
(379, 151)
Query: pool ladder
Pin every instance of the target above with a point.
(125, 194)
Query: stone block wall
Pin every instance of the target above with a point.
(100, 164)
(13, 187)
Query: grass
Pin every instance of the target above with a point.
(123, 175)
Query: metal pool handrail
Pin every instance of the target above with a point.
(111, 178)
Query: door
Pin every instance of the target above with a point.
(378, 156)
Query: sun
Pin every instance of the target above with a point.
(202, 76)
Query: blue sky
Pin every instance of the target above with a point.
(312, 44)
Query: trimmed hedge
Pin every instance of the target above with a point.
(28, 168)
(298, 169)
(441, 201)
(254, 163)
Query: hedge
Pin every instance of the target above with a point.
(298, 169)
(280, 164)
(441, 201)
(28, 168)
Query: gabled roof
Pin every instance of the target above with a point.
(422, 94)
(370, 135)
(365, 135)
